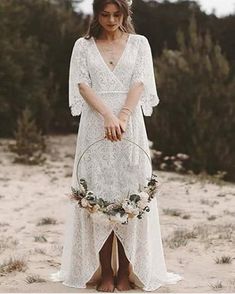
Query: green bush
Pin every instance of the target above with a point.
(196, 113)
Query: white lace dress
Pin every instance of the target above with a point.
(112, 169)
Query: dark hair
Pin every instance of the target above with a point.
(95, 28)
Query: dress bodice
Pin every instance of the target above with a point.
(105, 79)
(135, 65)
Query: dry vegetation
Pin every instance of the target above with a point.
(34, 279)
(40, 238)
(224, 259)
(46, 221)
(180, 238)
(13, 264)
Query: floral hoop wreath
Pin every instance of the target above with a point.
(134, 205)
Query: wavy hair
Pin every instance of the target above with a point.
(95, 28)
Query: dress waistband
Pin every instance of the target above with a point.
(119, 91)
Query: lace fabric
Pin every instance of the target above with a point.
(136, 65)
(144, 72)
(112, 169)
(78, 73)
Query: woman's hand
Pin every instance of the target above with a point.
(112, 127)
(123, 120)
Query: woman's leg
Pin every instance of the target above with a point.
(123, 282)
(107, 276)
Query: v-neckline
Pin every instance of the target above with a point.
(119, 60)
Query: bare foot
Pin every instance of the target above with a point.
(106, 283)
(123, 283)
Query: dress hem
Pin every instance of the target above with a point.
(161, 283)
(61, 276)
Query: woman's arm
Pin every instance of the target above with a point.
(132, 100)
(111, 122)
(143, 84)
(92, 99)
(133, 95)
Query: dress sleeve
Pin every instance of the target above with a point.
(144, 72)
(78, 73)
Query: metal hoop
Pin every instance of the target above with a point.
(149, 158)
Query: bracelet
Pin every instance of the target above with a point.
(127, 108)
(124, 111)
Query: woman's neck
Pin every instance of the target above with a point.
(111, 36)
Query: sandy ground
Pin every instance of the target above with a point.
(197, 219)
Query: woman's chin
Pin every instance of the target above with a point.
(111, 28)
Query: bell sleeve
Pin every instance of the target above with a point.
(78, 73)
(144, 72)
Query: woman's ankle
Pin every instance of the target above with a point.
(107, 272)
(123, 271)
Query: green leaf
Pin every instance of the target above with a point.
(101, 202)
(74, 191)
(122, 211)
(147, 208)
(90, 198)
(135, 198)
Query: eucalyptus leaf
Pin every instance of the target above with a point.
(135, 197)
(122, 212)
(101, 202)
(74, 191)
(112, 212)
(83, 183)
(91, 198)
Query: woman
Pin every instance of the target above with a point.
(111, 81)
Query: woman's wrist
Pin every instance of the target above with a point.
(126, 109)
(124, 116)
(106, 112)
(125, 112)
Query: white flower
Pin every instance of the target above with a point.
(144, 195)
(95, 208)
(130, 207)
(142, 204)
(89, 193)
(111, 207)
(85, 202)
(129, 2)
(163, 166)
(150, 144)
(117, 218)
(182, 156)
